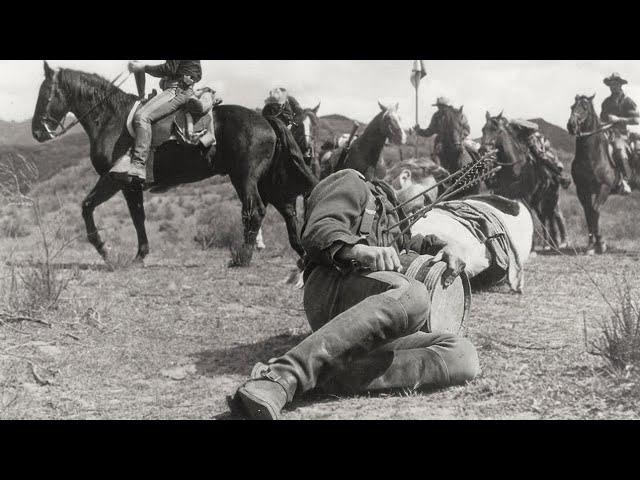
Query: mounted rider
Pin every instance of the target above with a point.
(441, 104)
(540, 148)
(281, 105)
(621, 111)
(178, 78)
(281, 110)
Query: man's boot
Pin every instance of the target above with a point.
(264, 396)
(138, 170)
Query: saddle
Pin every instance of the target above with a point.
(192, 125)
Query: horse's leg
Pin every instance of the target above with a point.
(288, 212)
(587, 206)
(103, 190)
(562, 226)
(260, 241)
(253, 212)
(600, 198)
(135, 203)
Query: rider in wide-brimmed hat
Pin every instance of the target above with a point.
(621, 111)
(442, 103)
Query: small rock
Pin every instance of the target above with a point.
(179, 373)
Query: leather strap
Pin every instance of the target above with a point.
(369, 215)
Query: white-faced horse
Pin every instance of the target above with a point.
(516, 220)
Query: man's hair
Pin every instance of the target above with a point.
(420, 169)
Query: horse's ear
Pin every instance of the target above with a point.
(48, 71)
(317, 107)
(592, 97)
(397, 106)
(500, 114)
(382, 107)
(461, 108)
(487, 116)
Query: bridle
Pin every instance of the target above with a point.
(47, 118)
(600, 129)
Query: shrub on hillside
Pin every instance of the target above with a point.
(14, 225)
(219, 226)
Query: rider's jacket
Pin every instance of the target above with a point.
(345, 209)
(173, 72)
(435, 120)
(621, 106)
(287, 111)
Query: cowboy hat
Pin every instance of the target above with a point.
(614, 78)
(442, 101)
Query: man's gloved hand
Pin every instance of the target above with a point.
(454, 261)
(615, 119)
(371, 258)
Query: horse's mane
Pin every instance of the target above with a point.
(89, 86)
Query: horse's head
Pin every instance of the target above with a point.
(51, 108)
(450, 124)
(583, 115)
(494, 132)
(391, 124)
(307, 132)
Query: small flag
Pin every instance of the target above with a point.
(418, 73)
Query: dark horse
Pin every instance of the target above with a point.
(450, 124)
(592, 168)
(247, 150)
(365, 152)
(521, 177)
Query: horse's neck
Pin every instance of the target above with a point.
(591, 147)
(96, 111)
(369, 146)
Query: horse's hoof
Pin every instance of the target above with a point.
(601, 248)
(563, 245)
(590, 251)
(260, 246)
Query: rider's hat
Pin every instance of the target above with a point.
(442, 102)
(277, 95)
(613, 79)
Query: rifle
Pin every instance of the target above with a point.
(141, 79)
(345, 150)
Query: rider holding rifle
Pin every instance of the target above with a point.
(621, 111)
(177, 80)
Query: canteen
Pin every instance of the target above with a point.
(449, 306)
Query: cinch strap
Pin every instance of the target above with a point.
(368, 217)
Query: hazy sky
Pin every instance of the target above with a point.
(522, 88)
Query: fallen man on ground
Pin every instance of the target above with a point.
(366, 316)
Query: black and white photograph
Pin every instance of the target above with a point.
(319, 239)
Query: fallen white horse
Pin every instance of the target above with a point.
(511, 217)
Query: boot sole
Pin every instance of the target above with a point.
(254, 407)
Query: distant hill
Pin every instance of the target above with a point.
(70, 149)
(559, 137)
(50, 157)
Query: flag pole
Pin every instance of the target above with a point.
(417, 118)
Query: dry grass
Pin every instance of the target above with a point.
(173, 339)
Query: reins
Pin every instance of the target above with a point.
(65, 129)
(603, 128)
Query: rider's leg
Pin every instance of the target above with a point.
(620, 156)
(163, 104)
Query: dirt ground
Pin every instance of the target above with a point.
(172, 339)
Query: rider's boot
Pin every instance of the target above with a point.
(137, 170)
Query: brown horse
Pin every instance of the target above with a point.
(450, 125)
(247, 150)
(521, 177)
(592, 168)
(365, 152)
